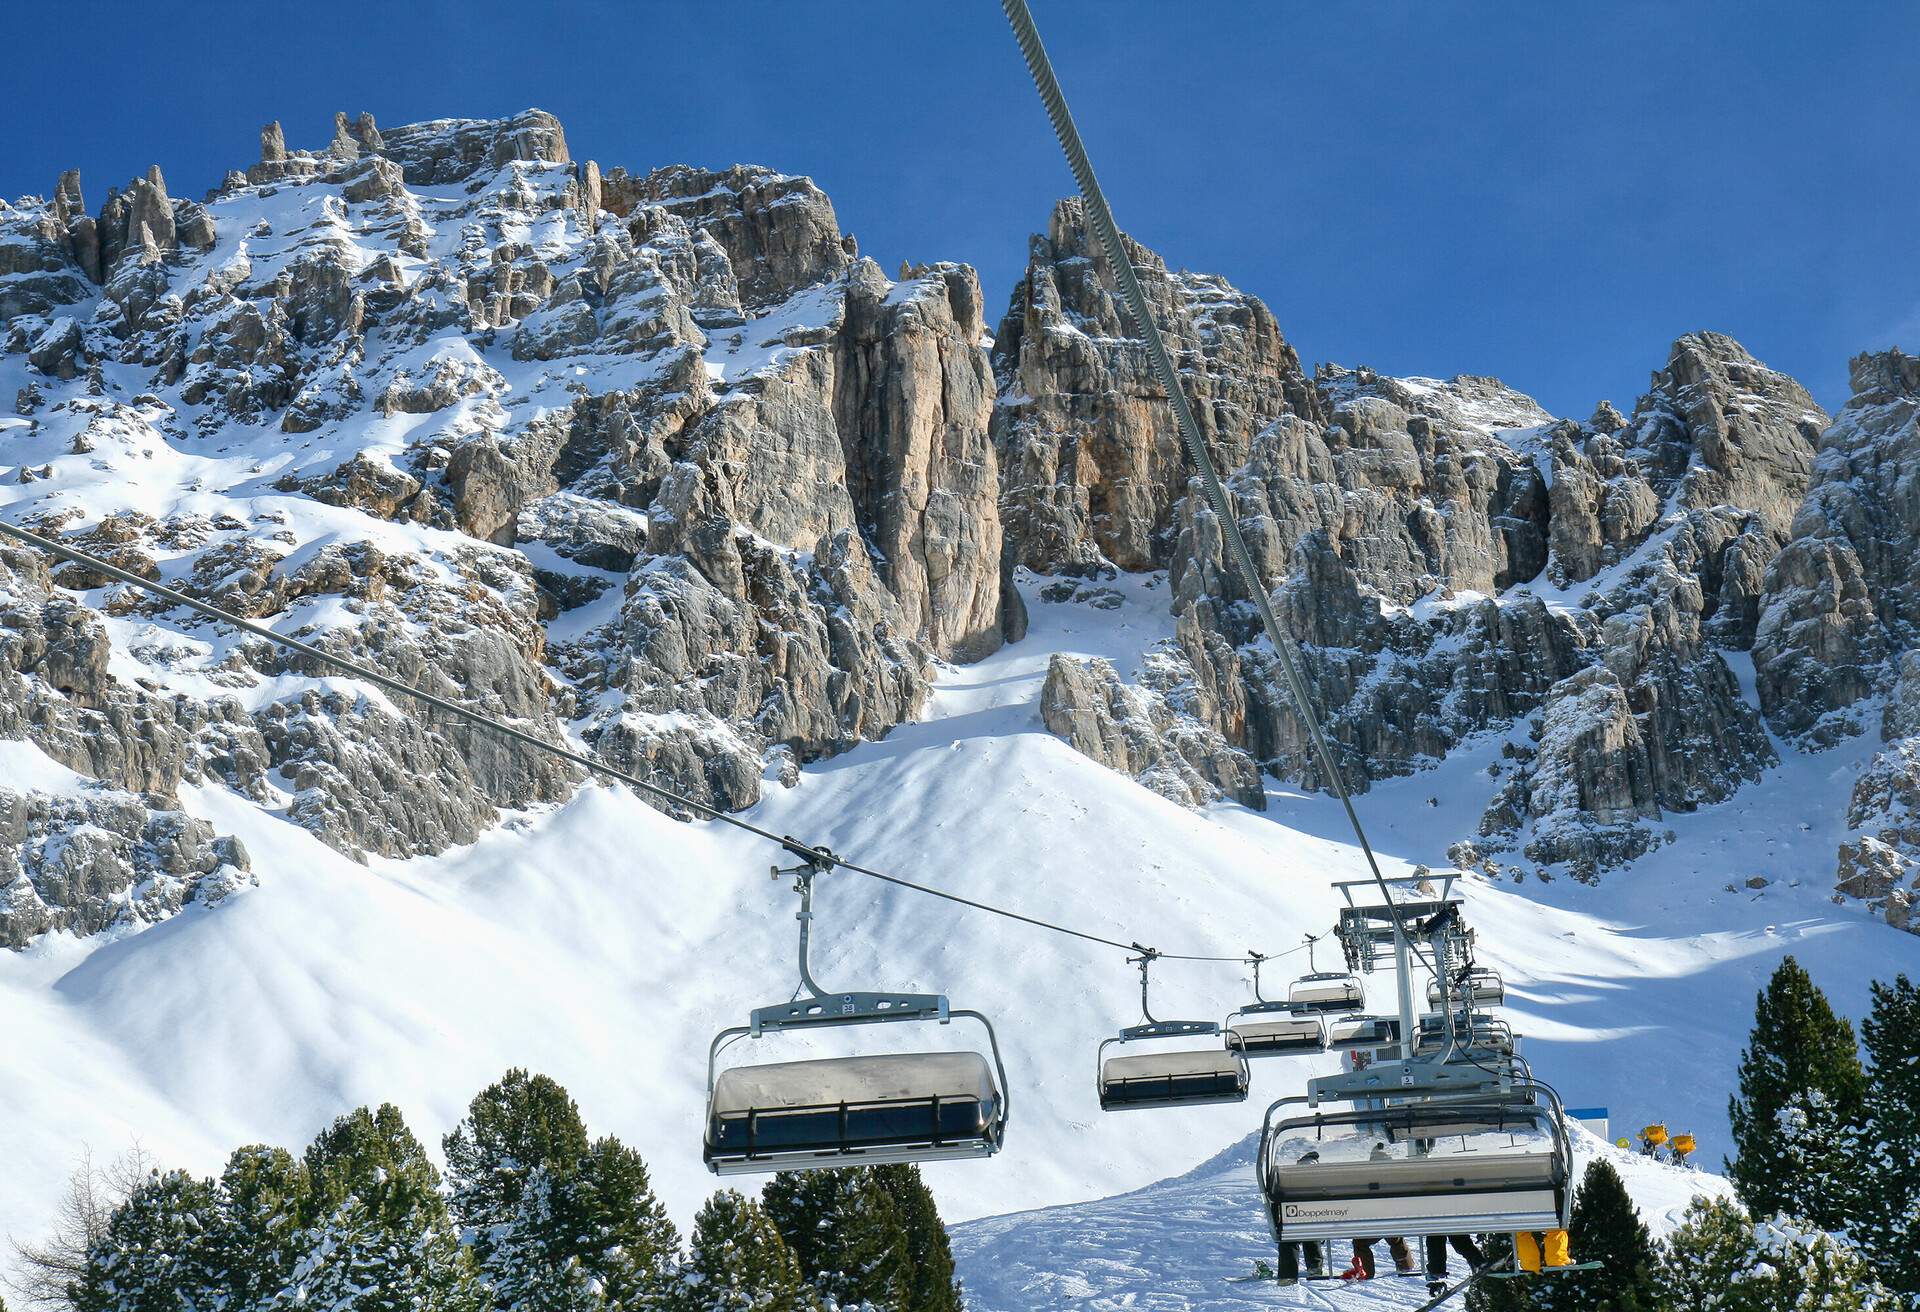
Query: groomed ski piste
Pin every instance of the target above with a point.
(604, 943)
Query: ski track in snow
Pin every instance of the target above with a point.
(604, 944)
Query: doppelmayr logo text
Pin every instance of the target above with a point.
(1295, 1212)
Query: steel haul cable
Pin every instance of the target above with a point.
(1100, 219)
(521, 736)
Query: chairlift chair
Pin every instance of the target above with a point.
(857, 1110)
(1356, 1033)
(1482, 986)
(1484, 1162)
(1179, 1077)
(1324, 991)
(1479, 1032)
(1264, 1028)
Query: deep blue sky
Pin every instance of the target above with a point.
(1547, 192)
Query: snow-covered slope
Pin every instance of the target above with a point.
(604, 944)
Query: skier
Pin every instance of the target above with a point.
(1363, 1267)
(1290, 1254)
(1527, 1250)
(1437, 1259)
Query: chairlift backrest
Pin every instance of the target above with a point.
(1257, 1034)
(1179, 1077)
(1352, 1033)
(1326, 991)
(842, 1111)
(1432, 1167)
(1484, 988)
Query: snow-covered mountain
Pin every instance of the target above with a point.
(657, 464)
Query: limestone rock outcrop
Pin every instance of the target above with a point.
(1450, 558)
(1141, 732)
(1091, 460)
(652, 458)
(1843, 595)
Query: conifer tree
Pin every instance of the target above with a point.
(515, 1124)
(843, 1228)
(931, 1284)
(528, 1269)
(618, 1227)
(155, 1256)
(262, 1197)
(1607, 1229)
(548, 1214)
(739, 1263)
(1799, 1048)
(1889, 1226)
(378, 1236)
(1719, 1260)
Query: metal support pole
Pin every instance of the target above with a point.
(1405, 970)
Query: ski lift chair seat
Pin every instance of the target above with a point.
(845, 1111)
(1485, 988)
(1504, 1173)
(1485, 1033)
(1277, 1038)
(1187, 1077)
(1351, 1033)
(1325, 991)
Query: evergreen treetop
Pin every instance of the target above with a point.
(1799, 1049)
(517, 1123)
(1718, 1260)
(846, 1233)
(738, 1262)
(931, 1286)
(1889, 1217)
(156, 1255)
(379, 1237)
(262, 1196)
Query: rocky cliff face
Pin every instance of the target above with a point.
(1093, 467)
(654, 458)
(1453, 561)
(1837, 651)
(657, 461)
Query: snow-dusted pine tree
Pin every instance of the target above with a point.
(155, 1256)
(1816, 1156)
(517, 1123)
(931, 1286)
(1889, 1222)
(378, 1236)
(842, 1226)
(549, 1214)
(739, 1263)
(1799, 1048)
(528, 1266)
(263, 1194)
(1719, 1260)
(617, 1227)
